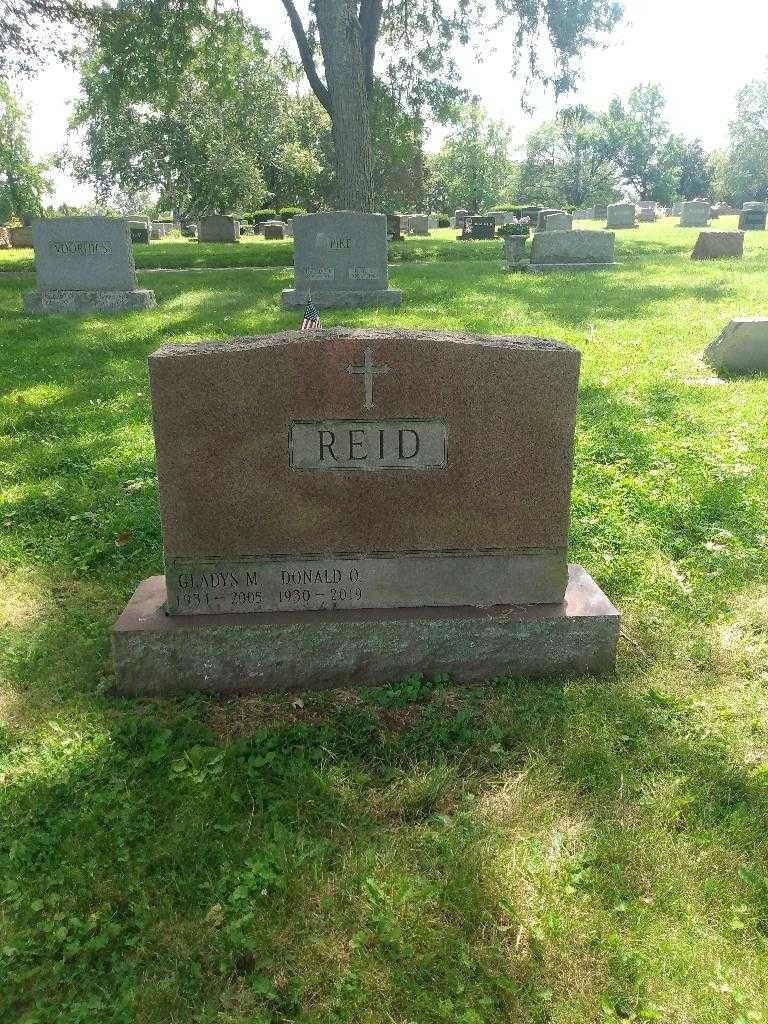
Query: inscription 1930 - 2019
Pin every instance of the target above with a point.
(369, 446)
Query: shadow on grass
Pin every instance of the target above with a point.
(361, 851)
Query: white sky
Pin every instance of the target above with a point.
(700, 52)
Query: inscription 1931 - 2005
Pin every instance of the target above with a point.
(369, 446)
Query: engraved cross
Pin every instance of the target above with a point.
(369, 371)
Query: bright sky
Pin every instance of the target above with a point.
(700, 54)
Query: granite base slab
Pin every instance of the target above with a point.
(293, 298)
(544, 268)
(155, 653)
(46, 301)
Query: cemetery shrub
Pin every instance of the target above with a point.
(286, 212)
(260, 215)
(443, 222)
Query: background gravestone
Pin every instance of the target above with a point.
(218, 228)
(695, 214)
(21, 237)
(542, 215)
(742, 347)
(340, 259)
(394, 228)
(558, 222)
(460, 217)
(572, 250)
(85, 264)
(600, 211)
(483, 227)
(753, 217)
(332, 560)
(621, 215)
(274, 230)
(715, 245)
(419, 224)
(585, 213)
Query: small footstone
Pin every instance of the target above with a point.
(716, 245)
(742, 347)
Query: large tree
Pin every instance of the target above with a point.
(473, 170)
(635, 135)
(201, 125)
(22, 179)
(747, 164)
(340, 40)
(567, 162)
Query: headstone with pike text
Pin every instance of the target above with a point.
(340, 260)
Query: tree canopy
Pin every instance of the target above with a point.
(22, 179)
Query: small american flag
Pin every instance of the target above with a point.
(311, 319)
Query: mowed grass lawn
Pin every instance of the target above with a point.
(589, 850)
(254, 251)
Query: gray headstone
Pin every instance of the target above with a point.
(274, 230)
(574, 249)
(601, 211)
(754, 218)
(621, 215)
(341, 260)
(558, 222)
(695, 214)
(585, 213)
(543, 215)
(460, 217)
(419, 224)
(218, 229)
(84, 264)
(715, 245)
(742, 347)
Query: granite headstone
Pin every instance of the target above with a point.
(85, 265)
(340, 259)
(218, 228)
(742, 347)
(716, 245)
(572, 250)
(621, 215)
(399, 502)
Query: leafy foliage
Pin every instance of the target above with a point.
(201, 127)
(746, 169)
(22, 179)
(567, 162)
(473, 170)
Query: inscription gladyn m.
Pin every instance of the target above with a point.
(366, 446)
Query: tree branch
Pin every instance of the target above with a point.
(370, 26)
(305, 52)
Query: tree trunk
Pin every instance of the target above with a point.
(341, 44)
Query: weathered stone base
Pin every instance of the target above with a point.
(542, 268)
(155, 653)
(293, 298)
(43, 302)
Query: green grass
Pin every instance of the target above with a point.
(188, 254)
(544, 853)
